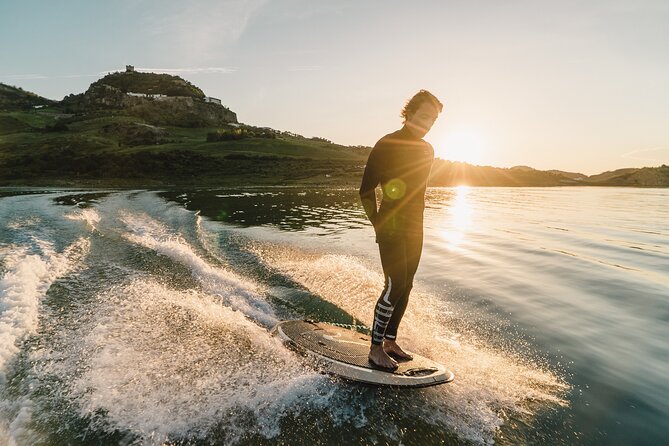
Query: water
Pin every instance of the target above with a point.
(143, 317)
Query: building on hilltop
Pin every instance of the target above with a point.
(212, 100)
(129, 69)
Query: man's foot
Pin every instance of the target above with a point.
(380, 359)
(391, 348)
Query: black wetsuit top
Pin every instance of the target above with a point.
(401, 163)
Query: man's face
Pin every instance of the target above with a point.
(422, 120)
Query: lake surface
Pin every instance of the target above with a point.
(144, 317)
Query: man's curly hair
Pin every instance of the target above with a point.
(417, 100)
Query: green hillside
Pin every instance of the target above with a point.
(48, 147)
(106, 137)
(16, 98)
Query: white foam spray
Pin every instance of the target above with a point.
(208, 239)
(24, 284)
(235, 291)
(488, 384)
(88, 215)
(168, 364)
(24, 222)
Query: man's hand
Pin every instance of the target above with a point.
(368, 199)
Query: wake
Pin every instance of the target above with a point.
(490, 385)
(236, 292)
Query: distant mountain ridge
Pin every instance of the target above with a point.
(571, 175)
(448, 173)
(643, 177)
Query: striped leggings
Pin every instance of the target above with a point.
(399, 259)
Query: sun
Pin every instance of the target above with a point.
(466, 145)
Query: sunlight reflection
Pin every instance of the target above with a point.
(458, 219)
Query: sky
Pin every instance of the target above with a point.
(580, 86)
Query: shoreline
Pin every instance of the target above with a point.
(230, 184)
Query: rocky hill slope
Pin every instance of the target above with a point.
(158, 99)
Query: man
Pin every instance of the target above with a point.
(400, 163)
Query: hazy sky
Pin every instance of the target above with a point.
(571, 85)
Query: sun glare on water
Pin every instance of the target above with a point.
(458, 218)
(465, 145)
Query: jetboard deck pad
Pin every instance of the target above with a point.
(343, 352)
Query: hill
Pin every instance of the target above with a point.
(447, 173)
(641, 177)
(147, 129)
(115, 134)
(150, 83)
(157, 99)
(571, 175)
(16, 98)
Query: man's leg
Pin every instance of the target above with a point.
(393, 261)
(413, 251)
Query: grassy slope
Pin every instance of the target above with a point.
(87, 154)
(15, 98)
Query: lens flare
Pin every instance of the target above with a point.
(395, 189)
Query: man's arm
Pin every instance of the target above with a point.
(370, 179)
(368, 199)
